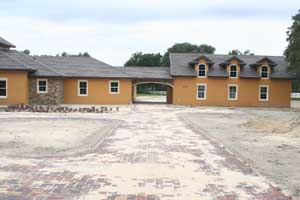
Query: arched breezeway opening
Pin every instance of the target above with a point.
(152, 92)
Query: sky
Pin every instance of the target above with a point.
(113, 30)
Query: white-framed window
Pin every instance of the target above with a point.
(201, 91)
(114, 87)
(82, 88)
(3, 88)
(263, 93)
(232, 92)
(202, 70)
(264, 72)
(233, 71)
(42, 86)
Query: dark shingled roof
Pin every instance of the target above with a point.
(15, 60)
(87, 67)
(6, 44)
(180, 65)
(79, 66)
(147, 72)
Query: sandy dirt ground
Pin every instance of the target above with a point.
(40, 137)
(156, 153)
(267, 139)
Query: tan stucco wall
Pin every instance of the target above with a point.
(17, 87)
(185, 91)
(98, 92)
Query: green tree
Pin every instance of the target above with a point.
(237, 52)
(26, 51)
(64, 54)
(186, 48)
(86, 54)
(292, 52)
(147, 59)
(204, 48)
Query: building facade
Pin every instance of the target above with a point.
(192, 79)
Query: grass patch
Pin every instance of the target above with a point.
(295, 99)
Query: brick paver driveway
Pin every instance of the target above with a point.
(153, 155)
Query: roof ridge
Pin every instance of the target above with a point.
(24, 64)
(48, 67)
(100, 61)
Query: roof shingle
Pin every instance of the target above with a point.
(180, 65)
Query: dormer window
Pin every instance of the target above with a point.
(233, 71)
(202, 70)
(264, 72)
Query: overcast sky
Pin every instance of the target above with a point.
(112, 30)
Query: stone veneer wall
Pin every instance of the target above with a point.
(54, 96)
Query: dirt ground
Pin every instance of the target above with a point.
(267, 139)
(41, 137)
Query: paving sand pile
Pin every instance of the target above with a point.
(51, 137)
(286, 126)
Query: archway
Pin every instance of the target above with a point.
(152, 92)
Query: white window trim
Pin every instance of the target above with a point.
(198, 69)
(237, 71)
(6, 88)
(261, 72)
(205, 86)
(38, 88)
(237, 92)
(259, 92)
(112, 81)
(87, 88)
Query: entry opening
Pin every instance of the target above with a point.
(153, 93)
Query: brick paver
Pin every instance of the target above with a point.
(153, 155)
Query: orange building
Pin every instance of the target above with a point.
(192, 79)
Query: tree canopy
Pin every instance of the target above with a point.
(186, 48)
(147, 59)
(292, 52)
(26, 51)
(64, 54)
(237, 52)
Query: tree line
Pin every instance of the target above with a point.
(63, 54)
(159, 60)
